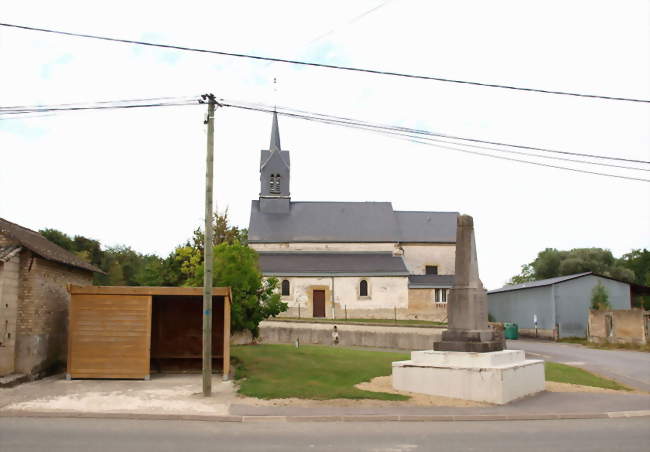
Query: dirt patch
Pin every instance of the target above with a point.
(554, 386)
(378, 384)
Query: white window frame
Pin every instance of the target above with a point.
(440, 295)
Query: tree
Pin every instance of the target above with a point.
(600, 297)
(254, 298)
(552, 262)
(527, 274)
(638, 261)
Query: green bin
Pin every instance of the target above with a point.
(511, 331)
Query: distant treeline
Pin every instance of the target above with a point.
(633, 267)
(126, 267)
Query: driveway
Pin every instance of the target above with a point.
(628, 367)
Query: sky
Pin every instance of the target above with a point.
(136, 178)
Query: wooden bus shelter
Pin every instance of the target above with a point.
(126, 332)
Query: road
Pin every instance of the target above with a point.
(102, 435)
(628, 367)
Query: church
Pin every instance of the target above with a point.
(349, 259)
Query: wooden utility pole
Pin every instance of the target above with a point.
(207, 252)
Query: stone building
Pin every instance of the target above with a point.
(34, 300)
(354, 259)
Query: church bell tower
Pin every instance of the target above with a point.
(275, 173)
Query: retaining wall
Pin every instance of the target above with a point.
(392, 337)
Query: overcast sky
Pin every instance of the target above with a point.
(136, 177)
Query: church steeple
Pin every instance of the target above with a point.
(275, 134)
(275, 174)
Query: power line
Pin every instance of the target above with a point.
(422, 141)
(323, 65)
(415, 135)
(453, 137)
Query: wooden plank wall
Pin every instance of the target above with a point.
(109, 336)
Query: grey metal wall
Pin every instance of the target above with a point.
(573, 301)
(518, 306)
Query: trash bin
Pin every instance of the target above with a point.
(511, 331)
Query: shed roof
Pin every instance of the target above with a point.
(341, 264)
(430, 281)
(559, 279)
(35, 242)
(346, 222)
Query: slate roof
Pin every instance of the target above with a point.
(430, 281)
(427, 226)
(318, 264)
(35, 242)
(346, 222)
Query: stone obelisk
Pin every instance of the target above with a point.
(468, 329)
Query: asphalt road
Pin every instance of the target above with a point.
(628, 367)
(101, 435)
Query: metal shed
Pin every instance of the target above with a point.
(126, 332)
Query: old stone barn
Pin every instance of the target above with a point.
(34, 300)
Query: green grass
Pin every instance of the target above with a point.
(366, 321)
(310, 372)
(562, 373)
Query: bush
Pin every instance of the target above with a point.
(600, 297)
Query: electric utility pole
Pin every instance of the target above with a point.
(207, 252)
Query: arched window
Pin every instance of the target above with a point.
(285, 287)
(274, 183)
(363, 288)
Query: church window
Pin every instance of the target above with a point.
(431, 270)
(363, 288)
(440, 295)
(285, 287)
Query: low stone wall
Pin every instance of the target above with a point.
(391, 337)
(619, 326)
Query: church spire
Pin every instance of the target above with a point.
(275, 134)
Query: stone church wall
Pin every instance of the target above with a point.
(417, 256)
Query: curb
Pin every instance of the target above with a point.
(333, 418)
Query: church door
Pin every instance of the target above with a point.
(319, 303)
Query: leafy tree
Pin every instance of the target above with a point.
(600, 297)
(527, 274)
(58, 237)
(552, 262)
(254, 298)
(638, 261)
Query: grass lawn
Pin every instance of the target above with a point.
(366, 321)
(278, 371)
(569, 374)
(274, 371)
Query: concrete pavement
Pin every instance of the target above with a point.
(628, 367)
(102, 435)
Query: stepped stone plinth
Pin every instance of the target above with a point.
(470, 361)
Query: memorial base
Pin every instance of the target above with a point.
(494, 377)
